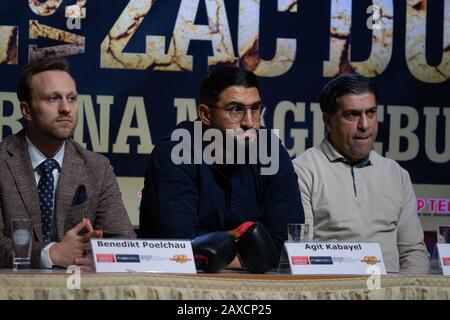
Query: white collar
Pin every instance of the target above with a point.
(37, 157)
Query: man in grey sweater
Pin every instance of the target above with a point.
(350, 192)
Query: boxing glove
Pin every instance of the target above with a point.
(255, 247)
(213, 251)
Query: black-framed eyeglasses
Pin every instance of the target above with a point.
(237, 111)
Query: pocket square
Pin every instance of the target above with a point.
(80, 195)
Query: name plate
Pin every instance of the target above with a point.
(139, 255)
(335, 258)
(444, 257)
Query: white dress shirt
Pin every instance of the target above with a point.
(36, 159)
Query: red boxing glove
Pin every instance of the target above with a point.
(213, 251)
(255, 247)
(243, 228)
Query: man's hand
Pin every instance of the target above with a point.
(235, 264)
(71, 249)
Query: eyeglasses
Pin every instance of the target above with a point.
(238, 111)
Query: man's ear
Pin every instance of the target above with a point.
(326, 120)
(25, 108)
(204, 113)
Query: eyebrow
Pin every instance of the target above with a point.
(60, 93)
(358, 109)
(233, 103)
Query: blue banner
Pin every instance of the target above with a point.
(138, 64)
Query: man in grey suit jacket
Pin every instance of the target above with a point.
(83, 201)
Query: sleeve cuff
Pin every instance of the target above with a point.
(46, 262)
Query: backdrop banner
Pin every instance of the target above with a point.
(138, 65)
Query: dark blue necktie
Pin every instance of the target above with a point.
(45, 189)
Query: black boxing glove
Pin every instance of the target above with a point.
(213, 251)
(255, 247)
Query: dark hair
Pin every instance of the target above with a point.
(35, 67)
(216, 81)
(344, 85)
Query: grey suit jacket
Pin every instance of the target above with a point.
(19, 197)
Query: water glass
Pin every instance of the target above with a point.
(298, 232)
(21, 236)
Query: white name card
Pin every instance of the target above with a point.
(335, 258)
(139, 255)
(444, 257)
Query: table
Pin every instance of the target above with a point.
(37, 284)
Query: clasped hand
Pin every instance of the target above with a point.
(71, 249)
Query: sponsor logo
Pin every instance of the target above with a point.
(152, 258)
(320, 260)
(299, 260)
(105, 258)
(127, 258)
(371, 260)
(446, 261)
(180, 258)
(344, 260)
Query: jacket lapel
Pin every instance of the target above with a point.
(22, 171)
(67, 184)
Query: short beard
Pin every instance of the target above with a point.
(54, 134)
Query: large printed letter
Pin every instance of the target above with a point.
(111, 50)
(248, 41)
(396, 133)
(186, 109)
(340, 45)
(11, 121)
(76, 11)
(431, 130)
(99, 138)
(46, 8)
(318, 126)
(299, 135)
(37, 30)
(9, 42)
(134, 105)
(217, 31)
(416, 22)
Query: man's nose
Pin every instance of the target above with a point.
(247, 121)
(64, 106)
(363, 123)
